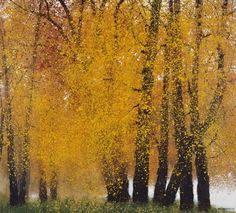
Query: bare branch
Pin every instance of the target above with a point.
(45, 16)
(68, 15)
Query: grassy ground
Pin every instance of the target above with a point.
(71, 206)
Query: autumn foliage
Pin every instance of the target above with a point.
(96, 93)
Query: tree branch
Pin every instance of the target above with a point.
(45, 16)
(68, 15)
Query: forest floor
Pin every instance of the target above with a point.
(71, 206)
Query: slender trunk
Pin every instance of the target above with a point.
(186, 187)
(193, 90)
(175, 179)
(181, 176)
(161, 181)
(141, 174)
(162, 171)
(177, 176)
(201, 159)
(53, 186)
(187, 183)
(12, 171)
(25, 176)
(24, 182)
(183, 142)
(203, 186)
(43, 197)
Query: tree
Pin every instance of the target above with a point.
(183, 167)
(116, 177)
(199, 129)
(25, 176)
(144, 123)
(12, 171)
(88, 85)
(162, 171)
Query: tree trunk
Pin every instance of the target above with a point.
(25, 176)
(118, 192)
(162, 172)
(115, 174)
(122, 188)
(193, 89)
(116, 178)
(141, 174)
(114, 167)
(12, 171)
(177, 176)
(203, 186)
(24, 182)
(181, 174)
(186, 188)
(53, 186)
(160, 186)
(43, 197)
